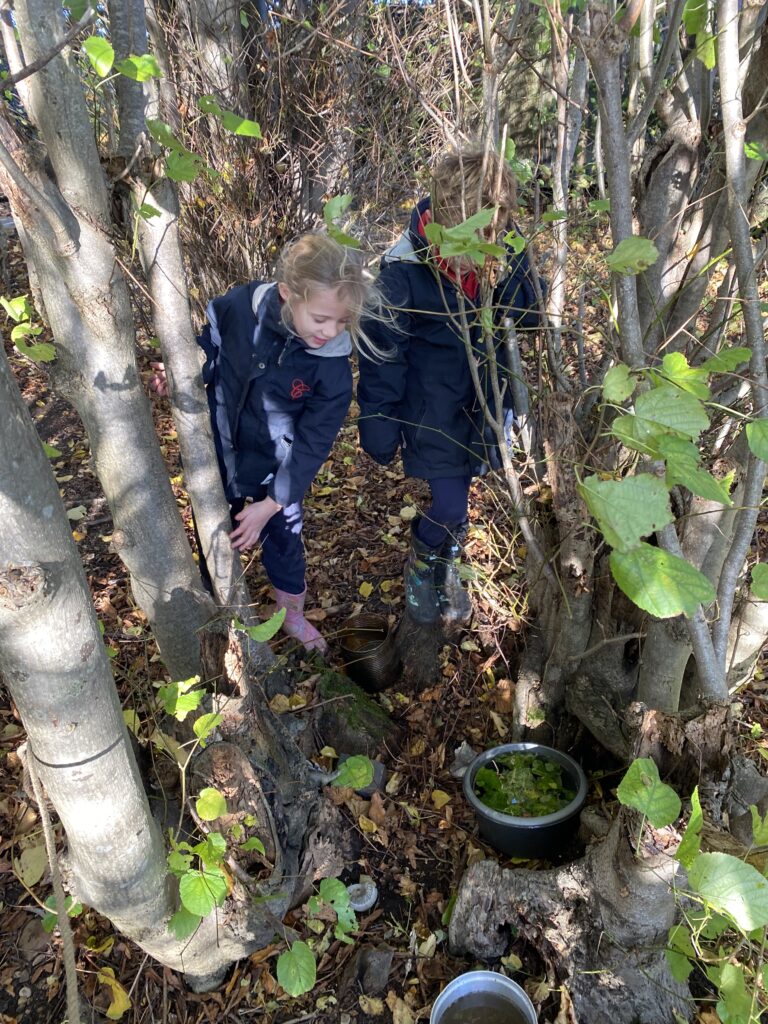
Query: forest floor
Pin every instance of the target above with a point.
(416, 839)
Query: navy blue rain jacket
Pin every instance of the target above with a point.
(276, 405)
(423, 399)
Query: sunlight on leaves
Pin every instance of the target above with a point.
(120, 1000)
(296, 969)
(642, 789)
(660, 583)
(210, 804)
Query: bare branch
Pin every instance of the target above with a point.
(46, 58)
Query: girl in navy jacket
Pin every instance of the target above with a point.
(422, 398)
(279, 385)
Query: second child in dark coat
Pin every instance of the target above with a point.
(422, 399)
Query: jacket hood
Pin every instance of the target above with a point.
(267, 306)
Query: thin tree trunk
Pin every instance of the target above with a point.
(161, 255)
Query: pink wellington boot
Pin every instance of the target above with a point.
(295, 624)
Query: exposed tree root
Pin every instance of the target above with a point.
(599, 923)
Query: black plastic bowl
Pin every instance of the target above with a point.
(544, 837)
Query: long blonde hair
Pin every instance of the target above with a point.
(317, 261)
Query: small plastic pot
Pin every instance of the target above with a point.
(484, 994)
(369, 653)
(543, 837)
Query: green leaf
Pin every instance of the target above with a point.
(265, 630)
(755, 151)
(335, 893)
(240, 125)
(735, 1003)
(618, 384)
(682, 458)
(163, 135)
(757, 438)
(147, 211)
(636, 433)
(760, 581)
(204, 726)
(51, 916)
(76, 9)
(296, 969)
(705, 49)
(732, 887)
(213, 850)
(690, 844)
(356, 772)
(179, 863)
(600, 205)
(515, 241)
(43, 352)
(100, 54)
(208, 105)
(629, 509)
(336, 207)
(50, 451)
(182, 166)
(642, 789)
(550, 215)
(139, 69)
(342, 238)
(210, 804)
(244, 19)
(695, 16)
(18, 308)
(175, 699)
(727, 361)
(660, 583)
(632, 255)
(676, 369)
(201, 891)
(24, 330)
(254, 843)
(672, 408)
(183, 924)
(680, 953)
(759, 826)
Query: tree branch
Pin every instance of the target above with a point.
(46, 58)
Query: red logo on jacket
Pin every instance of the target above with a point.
(299, 389)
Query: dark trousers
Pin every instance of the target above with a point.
(448, 511)
(282, 549)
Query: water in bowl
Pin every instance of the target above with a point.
(482, 1008)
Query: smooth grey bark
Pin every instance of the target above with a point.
(218, 35)
(734, 132)
(604, 45)
(160, 249)
(159, 245)
(128, 34)
(86, 303)
(53, 660)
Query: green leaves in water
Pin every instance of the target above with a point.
(523, 785)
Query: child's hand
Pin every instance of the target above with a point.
(251, 521)
(158, 382)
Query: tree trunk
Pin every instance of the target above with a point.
(53, 661)
(87, 305)
(600, 924)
